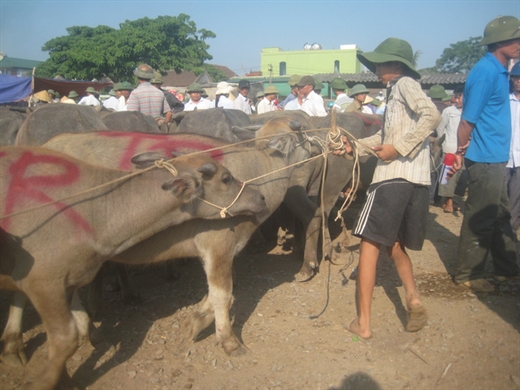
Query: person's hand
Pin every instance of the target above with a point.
(457, 164)
(386, 152)
(346, 150)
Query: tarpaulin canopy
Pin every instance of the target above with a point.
(13, 88)
(65, 86)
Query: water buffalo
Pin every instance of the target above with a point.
(52, 119)
(215, 122)
(214, 242)
(307, 191)
(10, 122)
(130, 121)
(61, 242)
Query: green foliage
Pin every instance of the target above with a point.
(215, 73)
(461, 56)
(165, 43)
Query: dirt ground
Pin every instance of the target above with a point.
(471, 341)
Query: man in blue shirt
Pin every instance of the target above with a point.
(484, 136)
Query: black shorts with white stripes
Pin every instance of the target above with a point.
(394, 210)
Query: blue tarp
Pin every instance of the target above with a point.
(14, 88)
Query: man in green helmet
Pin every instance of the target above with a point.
(148, 99)
(483, 139)
(396, 208)
(339, 88)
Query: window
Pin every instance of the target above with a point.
(336, 66)
(283, 68)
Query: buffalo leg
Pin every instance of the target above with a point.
(13, 354)
(52, 303)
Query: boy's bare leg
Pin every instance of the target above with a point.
(369, 253)
(418, 317)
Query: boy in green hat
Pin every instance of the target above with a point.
(396, 208)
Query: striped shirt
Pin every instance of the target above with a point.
(410, 117)
(148, 100)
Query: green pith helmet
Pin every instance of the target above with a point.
(157, 79)
(123, 86)
(144, 71)
(92, 90)
(73, 94)
(501, 29)
(270, 89)
(318, 86)
(437, 92)
(260, 94)
(195, 88)
(338, 83)
(357, 89)
(294, 79)
(51, 92)
(391, 49)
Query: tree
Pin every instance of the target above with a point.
(165, 43)
(215, 73)
(461, 56)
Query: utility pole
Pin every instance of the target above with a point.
(270, 69)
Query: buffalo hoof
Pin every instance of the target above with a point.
(304, 276)
(14, 359)
(234, 348)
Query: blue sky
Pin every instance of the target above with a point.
(244, 27)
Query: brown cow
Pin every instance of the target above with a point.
(53, 250)
(217, 242)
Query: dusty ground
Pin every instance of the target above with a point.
(471, 341)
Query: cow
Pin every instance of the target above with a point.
(306, 193)
(215, 122)
(49, 120)
(130, 121)
(10, 122)
(79, 215)
(217, 243)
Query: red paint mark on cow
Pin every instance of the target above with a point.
(31, 187)
(159, 143)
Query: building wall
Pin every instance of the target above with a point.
(309, 61)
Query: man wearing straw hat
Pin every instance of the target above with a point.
(267, 104)
(396, 208)
(486, 120)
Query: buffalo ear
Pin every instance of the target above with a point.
(208, 170)
(284, 143)
(147, 159)
(245, 133)
(184, 187)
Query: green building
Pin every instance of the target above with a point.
(311, 60)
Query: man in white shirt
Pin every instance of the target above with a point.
(91, 98)
(111, 102)
(222, 95)
(267, 103)
(242, 102)
(308, 100)
(196, 102)
(513, 165)
(123, 91)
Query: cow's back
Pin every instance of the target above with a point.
(53, 119)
